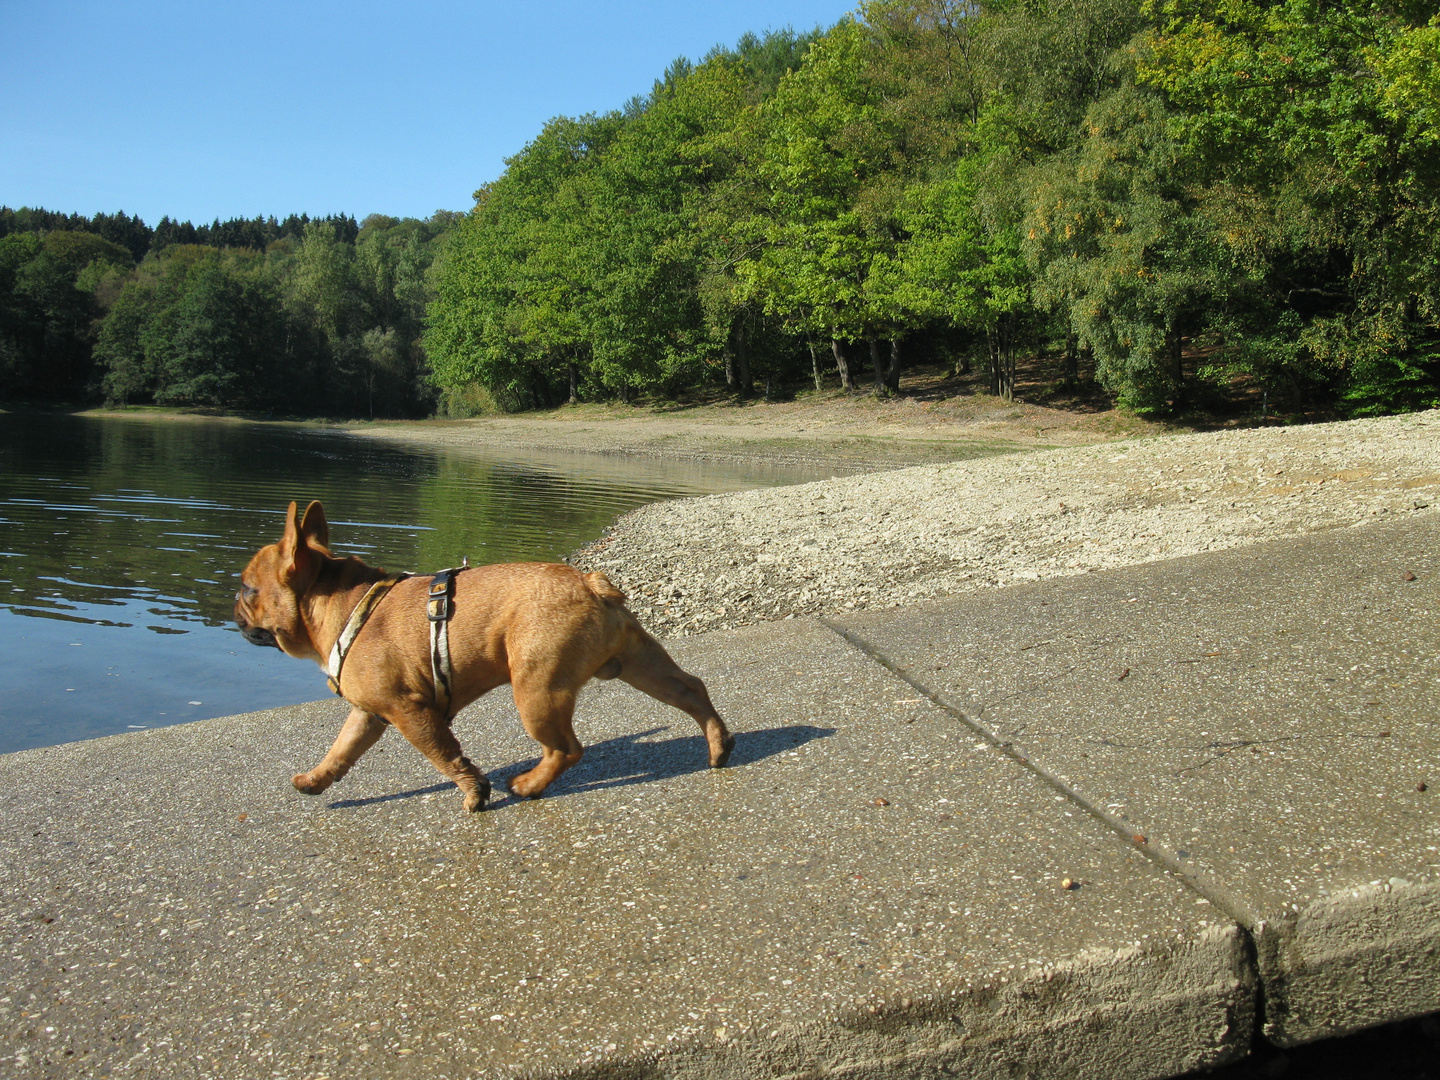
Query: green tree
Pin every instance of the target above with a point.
(1313, 128)
(829, 214)
(514, 285)
(957, 268)
(46, 324)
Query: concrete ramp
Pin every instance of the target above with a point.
(1265, 718)
(876, 888)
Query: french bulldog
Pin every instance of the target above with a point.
(545, 628)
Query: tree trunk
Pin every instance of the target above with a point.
(1177, 360)
(1007, 369)
(876, 364)
(1070, 376)
(814, 363)
(992, 357)
(574, 376)
(1000, 340)
(842, 365)
(1007, 391)
(742, 361)
(737, 360)
(892, 372)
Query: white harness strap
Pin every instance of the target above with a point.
(354, 625)
(439, 606)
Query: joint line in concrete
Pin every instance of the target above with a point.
(1198, 883)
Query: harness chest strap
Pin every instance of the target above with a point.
(354, 625)
(439, 606)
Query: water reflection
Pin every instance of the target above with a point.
(122, 539)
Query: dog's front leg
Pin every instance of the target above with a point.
(360, 732)
(427, 732)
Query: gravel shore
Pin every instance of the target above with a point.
(883, 539)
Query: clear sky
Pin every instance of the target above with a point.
(232, 108)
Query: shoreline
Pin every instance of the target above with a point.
(922, 507)
(852, 432)
(883, 540)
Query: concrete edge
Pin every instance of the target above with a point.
(1370, 954)
(1150, 1010)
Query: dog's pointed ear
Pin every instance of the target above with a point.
(296, 558)
(291, 536)
(314, 527)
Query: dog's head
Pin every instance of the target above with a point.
(268, 605)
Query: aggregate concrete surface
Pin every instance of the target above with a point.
(1262, 721)
(877, 887)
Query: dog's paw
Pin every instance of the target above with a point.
(523, 787)
(475, 802)
(306, 784)
(717, 761)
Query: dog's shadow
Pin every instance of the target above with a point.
(626, 760)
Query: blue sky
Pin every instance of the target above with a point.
(208, 109)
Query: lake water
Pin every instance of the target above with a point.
(122, 539)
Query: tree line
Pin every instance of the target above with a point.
(297, 315)
(1176, 199)
(1178, 196)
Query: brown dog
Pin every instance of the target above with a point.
(544, 628)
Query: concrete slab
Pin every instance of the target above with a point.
(866, 892)
(1262, 721)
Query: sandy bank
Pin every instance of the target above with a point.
(848, 432)
(880, 540)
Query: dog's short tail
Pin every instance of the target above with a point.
(600, 585)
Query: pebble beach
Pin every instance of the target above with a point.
(882, 539)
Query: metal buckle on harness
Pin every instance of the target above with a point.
(437, 606)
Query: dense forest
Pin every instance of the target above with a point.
(1173, 197)
(1176, 201)
(301, 315)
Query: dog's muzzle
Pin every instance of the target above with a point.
(258, 635)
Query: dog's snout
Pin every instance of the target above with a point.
(258, 635)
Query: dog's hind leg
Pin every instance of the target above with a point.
(646, 665)
(548, 714)
(425, 731)
(360, 732)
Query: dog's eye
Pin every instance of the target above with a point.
(248, 592)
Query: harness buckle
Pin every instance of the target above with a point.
(437, 606)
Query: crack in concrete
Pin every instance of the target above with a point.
(1248, 920)
(1250, 924)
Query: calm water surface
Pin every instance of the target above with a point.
(121, 541)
